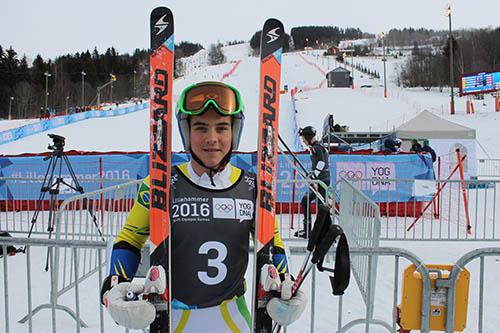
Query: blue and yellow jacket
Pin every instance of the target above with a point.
(126, 255)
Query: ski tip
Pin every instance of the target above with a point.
(272, 37)
(273, 29)
(158, 12)
(161, 26)
(273, 21)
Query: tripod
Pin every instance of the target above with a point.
(52, 184)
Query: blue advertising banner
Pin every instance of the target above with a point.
(370, 167)
(87, 169)
(136, 166)
(45, 125)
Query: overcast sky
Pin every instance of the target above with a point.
(56, 27)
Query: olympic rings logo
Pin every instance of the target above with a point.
(224, 207)
(350, 174)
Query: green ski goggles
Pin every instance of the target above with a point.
(197, 98)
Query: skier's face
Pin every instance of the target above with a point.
(210, 137)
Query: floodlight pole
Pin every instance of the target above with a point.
(384, 60)
(83, 88)
(352, 64)
(452, 98)
(47, 75)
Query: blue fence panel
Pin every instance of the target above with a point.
(136, 166)
(45, 125)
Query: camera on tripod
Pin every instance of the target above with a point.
(58, 142)
(51, 184)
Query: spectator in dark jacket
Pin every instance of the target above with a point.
(391, 145)
(415, 146)
(427, 149)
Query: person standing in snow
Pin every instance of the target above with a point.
(320, 170)
(210, 246)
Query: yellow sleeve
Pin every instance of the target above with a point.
(278, 242)
(136, 228)
(280, 260)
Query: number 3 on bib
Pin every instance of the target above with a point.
(216, 263)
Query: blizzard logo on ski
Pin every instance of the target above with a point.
(269, 100)
(273, 35)
(267, 163)
(161, 24)
(224, 208)
(159, 150)
(244, 210)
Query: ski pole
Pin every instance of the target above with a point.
(321, 248)
(293, 155)
(306, 174)
(435, 195)
(312, 242)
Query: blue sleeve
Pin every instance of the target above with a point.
(124, 262)
(280, 262)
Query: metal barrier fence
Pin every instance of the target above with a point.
(441, 219)
(373, 255)
(360, 219)
(25, 297)
(290, 210)
(453, 278)
(488, 167)
(96, 216)
(21, 272)
(18, 202)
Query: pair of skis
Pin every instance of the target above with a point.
(161, 72)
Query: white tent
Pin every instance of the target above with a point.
(429, 126)
(444, 137)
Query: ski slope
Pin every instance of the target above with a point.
(361, 109)
(131, 132)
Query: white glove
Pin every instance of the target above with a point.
(133, 314)
(287, 309)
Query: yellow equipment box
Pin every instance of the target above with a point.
(411, 303)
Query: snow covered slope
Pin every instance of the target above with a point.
(362, 109)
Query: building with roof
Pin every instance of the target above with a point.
(338, 78)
